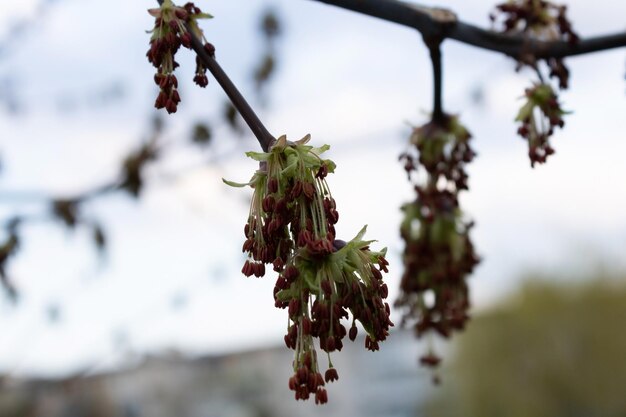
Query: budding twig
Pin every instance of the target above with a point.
(259, 130)
(434, 45)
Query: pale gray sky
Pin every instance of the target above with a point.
(349, 80)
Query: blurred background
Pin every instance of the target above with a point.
(130, 302)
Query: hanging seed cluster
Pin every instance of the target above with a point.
(544, 21)
(439, 255)
(174, 27)
(322, 280)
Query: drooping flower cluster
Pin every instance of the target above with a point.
(539, 116)
(439, 255)
(544, 21)
(321, 280)
(174, 27)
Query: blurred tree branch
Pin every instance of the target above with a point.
(442, 23)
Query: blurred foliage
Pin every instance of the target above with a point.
(551, 350)
(201, 134)
(271, 29)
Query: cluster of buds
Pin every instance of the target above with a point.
(544, 21)
(174, 26)
(321, 280)
(539, 116)
(439, 254)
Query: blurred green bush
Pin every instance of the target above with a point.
(550, 350)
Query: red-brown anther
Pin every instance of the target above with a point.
(376, 273)
(290, 343)
(304, 393)
(337, 313)
(281, 283)
(306, 326)
(294, 307)
(272, 227)
(175, 96)
(322, 172)
(171, 40)
(382, 264)
(291, 273)
(319, 380)
(330, 344)
(281, 206)
(278, 264)
(181, 14)
(259, 270)
(263, 254)
(160, 101)
(248, 245)
(272, 185)
(430, 360)
(296, 190)
(201, 80)
(340, 331)
(331, 375)
(170, 106)
(309, 190)
(353, 333)
(247, 269)
(327, 287)
(308, 362)
(268, 204)
(293, 385)
(302, 376)
(371, 344)
(304, 238)
(210, 49)
(383, 291)
(321, 397)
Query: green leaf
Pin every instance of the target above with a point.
(236, 184)
(525, 112)
(258, 156)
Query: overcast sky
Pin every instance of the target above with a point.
(171, 279)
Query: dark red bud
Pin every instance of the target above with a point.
(352, 333)
(210, 49)
(331, 375)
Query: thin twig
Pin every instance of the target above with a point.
(434, 46)
(439, 22)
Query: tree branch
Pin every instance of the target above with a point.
(259, 130)
(443, 23)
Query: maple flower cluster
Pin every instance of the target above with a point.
(544, 21)
(321, 280)
(539, 116)
(174, 27)
(439, 255)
